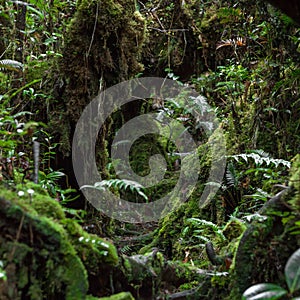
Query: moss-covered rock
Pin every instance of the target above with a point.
(42, 249)
(39, 260)
(34, 199)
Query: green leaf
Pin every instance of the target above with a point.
(37, 12)
(292, 271)
(264, 291)
(22, 88)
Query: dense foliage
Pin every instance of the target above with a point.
(242, 56)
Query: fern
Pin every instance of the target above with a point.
(260, 157)
(259, 195)
(200, 222)
(201, 237)
(231, 176)
(126, 250)
(11, 65)
(119, 184)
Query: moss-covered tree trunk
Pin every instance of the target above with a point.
(102, 48)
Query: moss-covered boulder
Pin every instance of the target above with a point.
(38, 258)
(46, 255)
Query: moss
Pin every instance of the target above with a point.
(233, 229)
(295, 181)
(60, 255)
(42, 242)
(120, 296)
(13, 196)
(64, 248)
(144, 272)
(31, 185)
(70, 264)
(36, 69)
(168, 235)
(92, 249)
(136, 269)
(256, 249)
(209, 18)
(188, 285)
(108, 52)
(48, 207)
(39, 203)
(76, 285)
(184, 271)
(127, 267)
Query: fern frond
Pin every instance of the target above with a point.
(231, 176)
(119, 184)
(261, 153)
(11, 65)
(126, 250)
(213, 226)
(260, 158)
